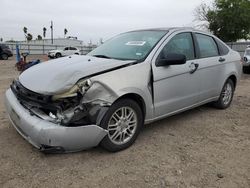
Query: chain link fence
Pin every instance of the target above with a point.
(239, 46)
(40, 49)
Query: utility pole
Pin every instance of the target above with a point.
(51, 27)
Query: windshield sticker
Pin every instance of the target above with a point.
(138, 54)
(135, 43)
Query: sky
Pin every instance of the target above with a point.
(92, 19)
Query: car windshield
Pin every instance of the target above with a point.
(247, 52)
(134, 45)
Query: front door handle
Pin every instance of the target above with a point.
(193, 67)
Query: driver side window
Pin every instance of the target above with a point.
(180, 44)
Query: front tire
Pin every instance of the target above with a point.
(58, 55)
(4, 56)
(226, 95)
(123, 121)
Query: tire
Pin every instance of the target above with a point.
(226, 95)
(4, 56)
(246, 69)
(58, 55)
(122, 129)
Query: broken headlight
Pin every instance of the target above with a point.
(79, 88)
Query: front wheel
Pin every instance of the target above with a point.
(123, 121)
(4, 56)
(58, 55)
(226, 95)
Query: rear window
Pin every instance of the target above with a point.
(222, 48)
(207, 46)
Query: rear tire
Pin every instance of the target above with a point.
(246, 70)
(123, 121)
(226, 95)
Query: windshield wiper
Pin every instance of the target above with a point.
(102, 56)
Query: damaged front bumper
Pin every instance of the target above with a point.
(48, 136)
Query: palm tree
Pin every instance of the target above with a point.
(65, 32)
(29, 37)
(39, 37)
(25, 30)
(44, 32)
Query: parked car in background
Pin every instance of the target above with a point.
(5, 52)
(246, 58)
(63, 52)
(133, 79)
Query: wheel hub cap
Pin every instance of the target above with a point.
(122, 125)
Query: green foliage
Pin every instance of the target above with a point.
(227, 19)
(65, 32)
(44, 32)
(29, 37)
(25, 30)
(39, 37)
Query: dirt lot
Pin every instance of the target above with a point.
(203, 147)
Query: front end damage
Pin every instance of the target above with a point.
(66, 121)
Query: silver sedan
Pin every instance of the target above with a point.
(105, 98)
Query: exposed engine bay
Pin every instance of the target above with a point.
(81, 105)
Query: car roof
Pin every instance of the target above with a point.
(172, 29)
(165, 28)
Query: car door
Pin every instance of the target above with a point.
(211, 65)
(70, 51)
(66, 51)
(176, 87)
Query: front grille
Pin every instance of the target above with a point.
(24, 94)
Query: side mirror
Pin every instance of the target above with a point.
(171, 59)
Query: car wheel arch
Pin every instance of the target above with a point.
(137, 98)
(234, 79)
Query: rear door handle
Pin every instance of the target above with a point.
(222, 59)
(193, 67)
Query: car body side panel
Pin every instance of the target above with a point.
(134, 79)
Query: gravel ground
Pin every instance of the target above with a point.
(203, 147)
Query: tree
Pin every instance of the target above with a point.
(25, 30)
(44, 32)
(65, 32)
(1, 39)
(29, 37)
(39, 37)
(227, 19)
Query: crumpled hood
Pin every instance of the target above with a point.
(59, 75)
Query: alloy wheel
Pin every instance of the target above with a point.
(122, 125)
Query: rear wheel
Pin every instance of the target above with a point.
(123, 121)
(246, 69)
(226, 95)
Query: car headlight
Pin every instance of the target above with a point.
(80, 87)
